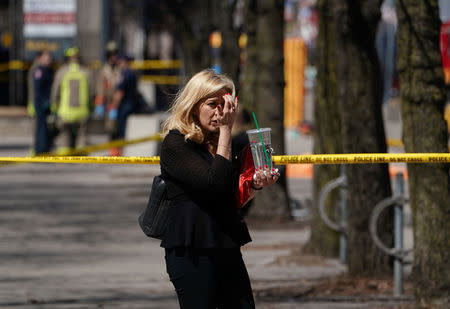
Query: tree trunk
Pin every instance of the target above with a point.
(327, 137)
(193, 27)
(230, 53)
(248, 98)
(194, 22)
(265, 70)
(359, 102)
(423, 96)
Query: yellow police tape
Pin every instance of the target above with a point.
(96, 64)
(14, 65)
(155, 64)
(83, 160)
(161, 79)
(115, 144)
(4, 67)
(90, 149)
(137, 65)
(364, 158)
(394, 142)
(361, 158)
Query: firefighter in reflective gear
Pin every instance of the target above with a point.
(106, 80)
(71, 95)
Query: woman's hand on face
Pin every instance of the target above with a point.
(265, 177)
(226, 115)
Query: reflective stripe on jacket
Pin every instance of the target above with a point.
(74, 104)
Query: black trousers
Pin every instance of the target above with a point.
(209, 278)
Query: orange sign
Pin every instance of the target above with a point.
(294, 76)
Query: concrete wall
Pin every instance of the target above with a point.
(89, 32)
(139, 126)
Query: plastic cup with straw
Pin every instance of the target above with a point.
(262, 142)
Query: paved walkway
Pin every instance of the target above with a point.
(69, 239)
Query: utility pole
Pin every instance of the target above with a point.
(16, 90)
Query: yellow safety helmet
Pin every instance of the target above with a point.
(111, 47)
(71, 51)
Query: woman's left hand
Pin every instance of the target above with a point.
(265, 177)
(225, 115)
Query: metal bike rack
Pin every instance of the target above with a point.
(397, 252)
(340, 227)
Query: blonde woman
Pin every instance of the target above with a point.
(205, 230)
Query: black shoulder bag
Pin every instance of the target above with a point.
(153, 220)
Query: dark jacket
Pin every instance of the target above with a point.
(201, 187)
(42, 84)
(128, 84)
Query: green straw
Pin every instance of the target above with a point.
(264, 146)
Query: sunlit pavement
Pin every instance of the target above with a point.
(69, 239)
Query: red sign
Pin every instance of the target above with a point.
(50, 18)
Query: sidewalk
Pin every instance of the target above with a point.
(69, 238)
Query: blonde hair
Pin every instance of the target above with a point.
(201, 86)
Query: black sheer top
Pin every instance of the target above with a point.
(201, 187)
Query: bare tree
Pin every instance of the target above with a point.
(327, 133)
(423, 96)
(193, 27)
(263, 91)
(230, 51)
(195, 20)
(359, 101)
(349, 100)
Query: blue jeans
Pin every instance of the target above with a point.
(125, 109)
(42, 135)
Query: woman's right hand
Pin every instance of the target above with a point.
(264, 177)
(225, 116)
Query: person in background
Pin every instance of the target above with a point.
(30, 87)
(106, 80)
(30, 99)
(42, 82)
(71, 96)
(124, 100)
(205, 229)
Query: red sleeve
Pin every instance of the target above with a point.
(246, 171)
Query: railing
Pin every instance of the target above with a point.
(399, 254)
(340, 227)
(397, 200)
